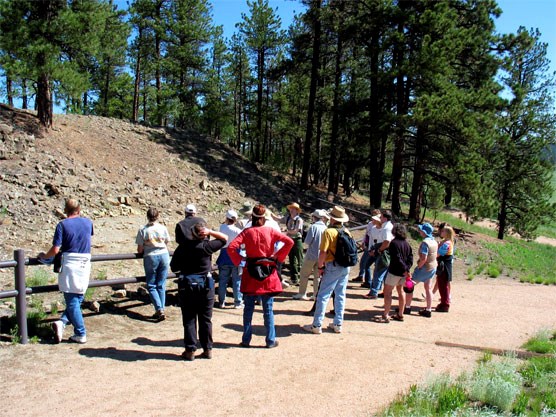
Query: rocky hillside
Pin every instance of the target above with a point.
(116, 169)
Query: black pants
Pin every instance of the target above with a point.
(196, 304)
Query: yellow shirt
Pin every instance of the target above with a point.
(328, 241)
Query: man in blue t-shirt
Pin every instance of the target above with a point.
(72, 239)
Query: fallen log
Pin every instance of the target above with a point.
(521, 354)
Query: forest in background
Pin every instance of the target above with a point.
(419, 103)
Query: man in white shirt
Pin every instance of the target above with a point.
(382, 263)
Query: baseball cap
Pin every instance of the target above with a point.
(190, 209)
(231, 214)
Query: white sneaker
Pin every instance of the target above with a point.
(58, 329)
(312, 329)
(300, 297)
(238, 306)
(78, 339)
(335, 328)
(285, 284)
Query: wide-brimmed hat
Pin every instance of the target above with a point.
(320, 214)
(426, 228)
(190, 209)
(294, 206)
(231, 215)
(338, 213)
(376, 218)
(247, 208)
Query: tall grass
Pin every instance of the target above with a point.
(497, 387)
(528, 261)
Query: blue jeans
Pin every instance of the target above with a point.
(378, 278)
(156, 272)
(73, 313)
(224, 273)
(268, 315)
(365, 265)
(335, 280)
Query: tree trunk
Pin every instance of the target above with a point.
(418, 176)
(375, 173)
(24, 103)
(503, 214)
(9, 91)
(135, 110)
(335, 141)
(448, 195)
(316, 4)
(44, 101)
(157, 75)
(260, 77)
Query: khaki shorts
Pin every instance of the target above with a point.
(394, 280)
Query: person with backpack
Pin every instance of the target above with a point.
(338, 251)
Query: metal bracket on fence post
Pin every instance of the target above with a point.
(20, 301)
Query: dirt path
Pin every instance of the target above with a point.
(133, 367)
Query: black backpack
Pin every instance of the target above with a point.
(346, 249)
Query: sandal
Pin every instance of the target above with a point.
(381, 319)
(397, 317)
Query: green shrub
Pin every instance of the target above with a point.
(38, 278)
(543, 342)
(496, 384)
(493, 271)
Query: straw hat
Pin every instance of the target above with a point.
(294, 206)
(338, 213)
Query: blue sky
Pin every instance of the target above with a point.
(539, 14)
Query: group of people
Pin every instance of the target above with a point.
(252, 251)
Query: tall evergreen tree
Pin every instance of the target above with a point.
(527, 129)
(49, 36)
(263, 36)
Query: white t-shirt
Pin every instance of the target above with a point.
(386, 231)
(230, 230)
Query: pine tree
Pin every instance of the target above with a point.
(527, 129)
(50, 38)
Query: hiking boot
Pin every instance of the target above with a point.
(358, 279)
(58, 329)
(312, 329)
(272, 345)
(442, 308)
(207, 354)
(188, 356)
(365, 285)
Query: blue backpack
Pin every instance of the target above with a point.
(346, 249)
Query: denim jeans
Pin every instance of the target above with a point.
(73, 313)
(156, 272)
(335, 280)
(365, 265)
(224, 273)
(378, 278)
(268, 314)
